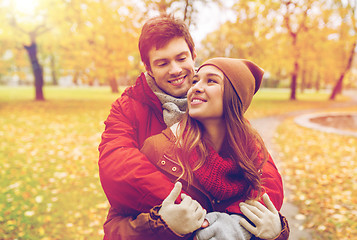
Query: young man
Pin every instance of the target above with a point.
(157, 100)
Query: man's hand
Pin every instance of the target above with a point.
(266, 220)
(182, 218)
(223, 227)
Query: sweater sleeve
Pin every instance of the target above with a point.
(272, 183)
(126, 173)
(285, 230)
(149, 226)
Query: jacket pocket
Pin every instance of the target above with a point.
(169, 166)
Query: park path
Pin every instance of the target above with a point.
(267, 128)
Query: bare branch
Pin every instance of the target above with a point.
(41, 29)
(287, 19)
(302, 24)
(14, 24)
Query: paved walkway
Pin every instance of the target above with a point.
(267, 128)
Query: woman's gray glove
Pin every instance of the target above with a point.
(223, 227)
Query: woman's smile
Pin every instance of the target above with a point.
(197, 101)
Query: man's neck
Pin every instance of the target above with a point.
(173, 108)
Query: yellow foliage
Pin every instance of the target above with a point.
(320, 170)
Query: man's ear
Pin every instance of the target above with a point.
(148, 69)
(194, 54)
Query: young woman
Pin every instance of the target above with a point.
(218, 151)
(220, 160)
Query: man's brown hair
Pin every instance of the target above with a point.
(158, 31)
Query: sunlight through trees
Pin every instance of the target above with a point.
(301, 44)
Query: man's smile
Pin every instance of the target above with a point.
(178, 81)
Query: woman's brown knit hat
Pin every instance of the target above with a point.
(244, 75)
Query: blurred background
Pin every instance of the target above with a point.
(300, 44)
(63, 62)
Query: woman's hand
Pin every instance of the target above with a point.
(185, 217)
(266, 220)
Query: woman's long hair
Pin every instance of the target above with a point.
(245, 145)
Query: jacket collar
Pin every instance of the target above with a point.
(141, 92)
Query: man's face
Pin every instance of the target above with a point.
(172, 67)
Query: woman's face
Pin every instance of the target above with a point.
(205, 97)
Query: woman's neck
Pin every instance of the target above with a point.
(215, 132)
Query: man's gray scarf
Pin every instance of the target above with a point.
(173, 107)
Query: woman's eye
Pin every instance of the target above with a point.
(194, 81)
(212, 81)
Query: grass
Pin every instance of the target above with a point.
(49, 184)
(271, 102)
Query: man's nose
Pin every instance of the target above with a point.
(175, 69)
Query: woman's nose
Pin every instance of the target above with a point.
(197, 87)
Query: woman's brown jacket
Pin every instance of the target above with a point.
(150, 226)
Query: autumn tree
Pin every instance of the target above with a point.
(187, 9)
(27, 26)
(7, 63)
(295, 15)
(289, 39)
(316, 52)
(347, 36)
(94, 41)
(253, 34)
(102, 41)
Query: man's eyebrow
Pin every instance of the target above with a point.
(156, 61)
(183, 53)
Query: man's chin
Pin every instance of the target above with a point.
(180, 93)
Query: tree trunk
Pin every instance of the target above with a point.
(304, 83)
(293, 87)
(75, 78)
(317, 83)
(113, 84)
(37, 70)
(295, 73)
(188, 12)
(338, 87)
(309, 78)
(162, 6)
(185, 10)
(53, 70)
(294, 77)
